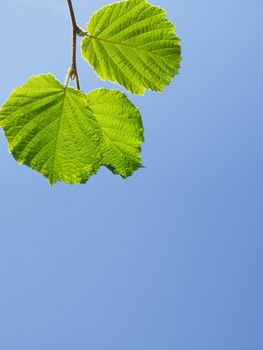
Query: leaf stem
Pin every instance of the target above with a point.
(73, 71)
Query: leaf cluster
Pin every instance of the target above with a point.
(66, 134)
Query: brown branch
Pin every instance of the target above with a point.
(73, 72)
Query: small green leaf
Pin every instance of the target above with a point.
(51, 128)
(122, 130)
(133, 43)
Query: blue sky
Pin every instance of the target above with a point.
(172, 257)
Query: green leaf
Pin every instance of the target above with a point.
(51, 128)
(122, 130)
(133, 43)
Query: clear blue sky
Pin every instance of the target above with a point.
(171, 258)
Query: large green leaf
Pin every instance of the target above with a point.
(122, 130)
(67, 135)
(50, 128)
(133, 43)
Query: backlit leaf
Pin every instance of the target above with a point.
(133, 43)
(51, 128)
(122, 130)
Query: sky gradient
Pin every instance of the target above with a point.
(172, 257)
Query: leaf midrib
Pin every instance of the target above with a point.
(58, 131)
(118, 43)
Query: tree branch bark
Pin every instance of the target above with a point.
(73, 71)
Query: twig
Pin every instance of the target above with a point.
(73, 72)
